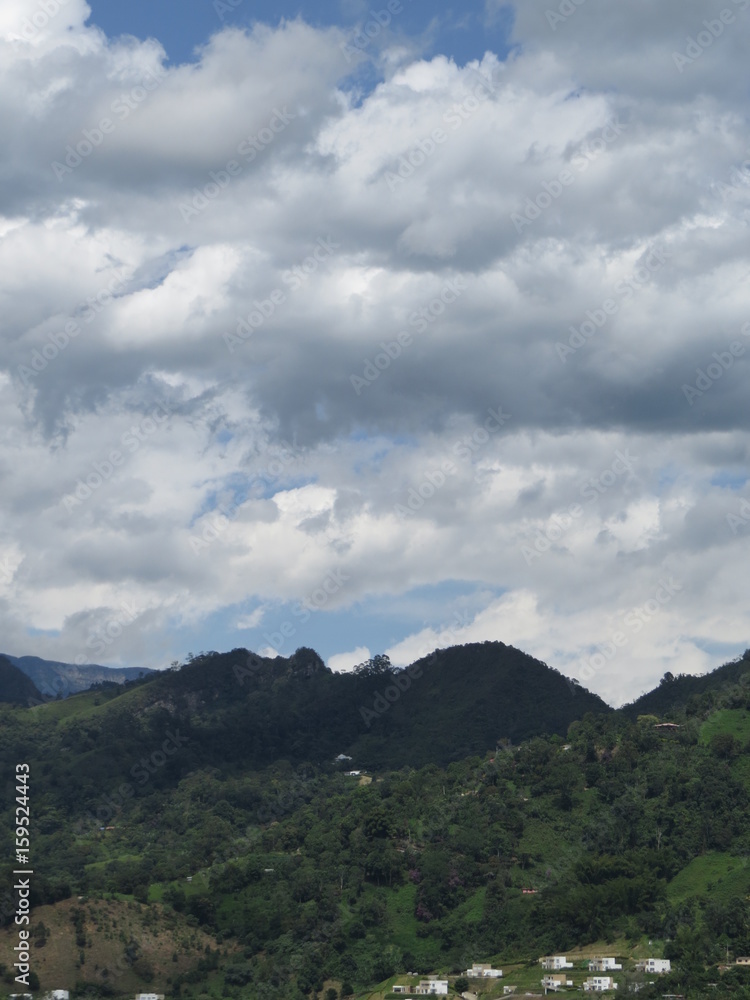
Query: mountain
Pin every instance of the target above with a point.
(444, 707)
(15, 687)
(675, 694)
(53, 677)
(208, 797)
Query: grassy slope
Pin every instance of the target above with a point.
(110, 925)
(716, 874)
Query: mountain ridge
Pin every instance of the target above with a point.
(53, 677)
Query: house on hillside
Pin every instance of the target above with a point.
(667, 727)
(742, 960)
(149, 996)
(507, 990)
(429, 987)
(654, 965)
(603, 965)
(598, 984)
(398, 989)
(483, 972)
(56, 995)
(554, 962)
(341, 758)
(556, 981)
(353, 774)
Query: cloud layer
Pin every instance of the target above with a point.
(268, 335)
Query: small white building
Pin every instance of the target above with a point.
(353, 774)
(57, 995)
(556, 981)
(149, 996)
(553, 962)
(429, 987)
(654, 965)
(603, 965)
(483, 972)
(598, 984)
(398, 989)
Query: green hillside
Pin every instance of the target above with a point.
(194, 794)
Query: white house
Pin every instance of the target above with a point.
(428, 987)
(555, 962)
(483, 972)
(149, 996)
(342, 757)
(398, 989)
(654, 965)
(603, 964)
(57, 995)
(556, 981)
(599, 984)
(353, 774)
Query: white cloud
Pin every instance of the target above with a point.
(343, 662)
(411, 188)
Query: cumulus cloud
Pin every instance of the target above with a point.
(482, 323)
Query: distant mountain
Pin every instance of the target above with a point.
(53, 677)
(674, 694)
(15, 687)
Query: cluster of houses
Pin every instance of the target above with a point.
(65, 995)
(427, 987)
(483, 972)
(557, 979)
(51, 995)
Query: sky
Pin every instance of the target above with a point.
(376, 329)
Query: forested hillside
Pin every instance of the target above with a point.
(311, 879)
